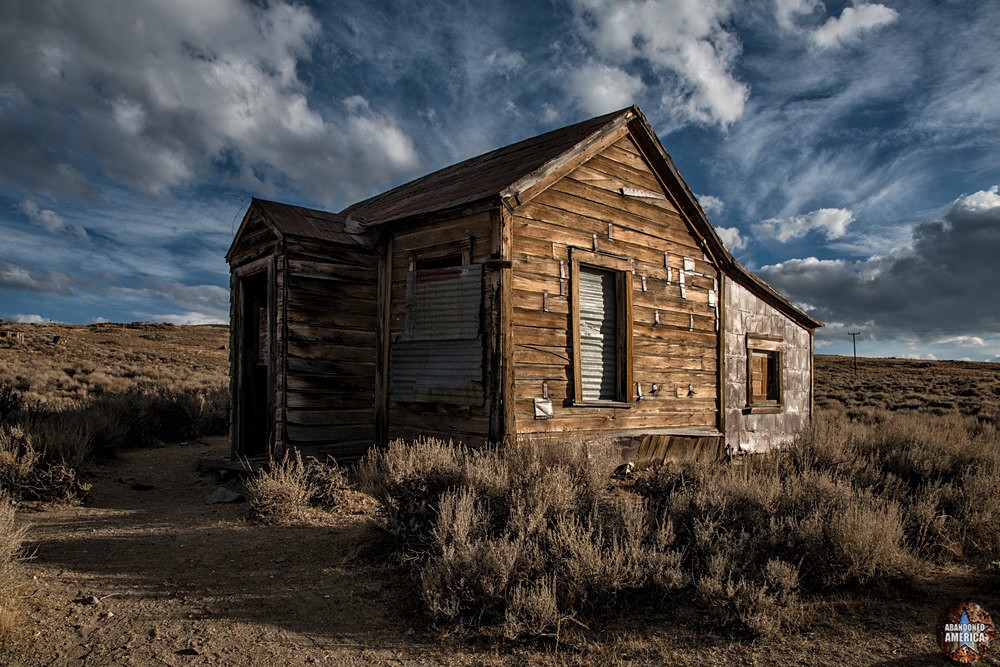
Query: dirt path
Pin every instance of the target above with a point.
(180, 582)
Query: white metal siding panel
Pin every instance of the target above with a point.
(598, 335)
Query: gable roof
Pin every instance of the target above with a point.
(479, 178)
(512, 174)
(299, 222)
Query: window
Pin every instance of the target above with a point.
(442, 262)
(601, 306)
(438, 358)
(764, 373)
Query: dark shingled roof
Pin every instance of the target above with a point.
(475, 179)
(307, 222)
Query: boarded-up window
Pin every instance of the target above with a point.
(763, 371)
(601, 328)
(439, 358)
(598, 335)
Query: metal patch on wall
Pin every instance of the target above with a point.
(543, 408)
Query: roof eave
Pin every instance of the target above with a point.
(524, 188)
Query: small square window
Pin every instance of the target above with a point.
(764, 377)
(764, 374)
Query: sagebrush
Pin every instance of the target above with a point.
(289, 489)
(523, 541)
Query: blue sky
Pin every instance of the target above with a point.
(847, 152)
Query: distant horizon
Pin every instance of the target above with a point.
(847, 355)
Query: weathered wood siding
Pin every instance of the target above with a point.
(679, 354)
(746, 431)
(460, 419)
(328, 342)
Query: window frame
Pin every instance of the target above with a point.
(773, 347)
(622, 268)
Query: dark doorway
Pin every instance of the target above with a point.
(256, 415)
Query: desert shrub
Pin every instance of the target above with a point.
(11, 538)
(408, 481)
(27, 473)
(940, 471)
(289, 490)
(518, 542)
(756, 535)
(521, 541)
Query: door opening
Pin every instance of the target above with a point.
(256, 415)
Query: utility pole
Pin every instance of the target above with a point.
(854, 342)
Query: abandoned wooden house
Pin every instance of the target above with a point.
(569, 285)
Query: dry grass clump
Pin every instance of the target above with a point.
(26, 473)
(756, 536)
(292, 490)
(11, 538)
(941, 471)
(519, 542)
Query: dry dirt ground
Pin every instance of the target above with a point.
(180, 582)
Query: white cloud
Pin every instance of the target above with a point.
(686, 43)
(978, 202)
(30, 318)
(16, 277)
(163, 92)
(185, 319)
(831, 222)
(507, 62)
(852, 23)
(732, 237)
(926, 356)
(786, 12)
(601, 88)
(49, 220)
(711, 204)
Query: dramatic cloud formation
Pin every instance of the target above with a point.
(932, 290)
(831, 222)
(684, 43)
(159, 93)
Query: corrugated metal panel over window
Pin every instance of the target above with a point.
(444, 303)
(440, 357)
(598, 335)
